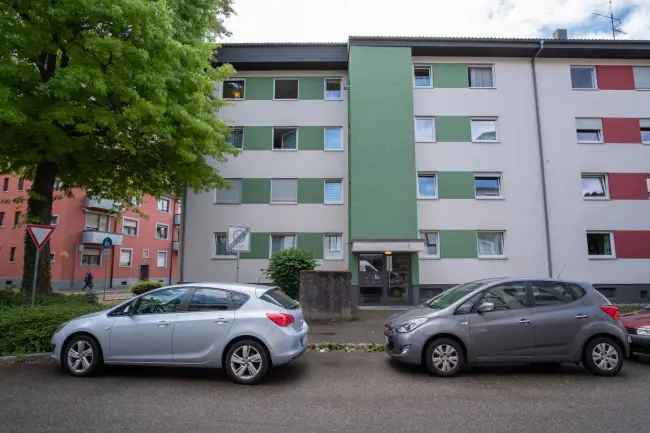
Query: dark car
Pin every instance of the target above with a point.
(638, 326)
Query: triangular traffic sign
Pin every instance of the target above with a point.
(40, 234)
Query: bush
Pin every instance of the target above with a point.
(11, 298)
(284, 269)
(144, 286)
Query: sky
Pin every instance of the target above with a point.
(335, 20)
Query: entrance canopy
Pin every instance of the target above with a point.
(408, 246)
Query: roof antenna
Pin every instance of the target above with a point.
(613, 20)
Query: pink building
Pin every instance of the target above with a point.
(145, 241)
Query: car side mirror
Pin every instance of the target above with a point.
(130, 309)
(485, 307)
(646, 307)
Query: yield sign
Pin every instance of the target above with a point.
(40, 234)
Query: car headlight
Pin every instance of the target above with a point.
(643, 331)
(61, 326)
(411, 325)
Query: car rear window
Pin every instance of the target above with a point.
(278, 297)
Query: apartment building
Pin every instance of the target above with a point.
(145, 240)
(420, 163)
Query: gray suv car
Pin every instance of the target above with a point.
(510, 320)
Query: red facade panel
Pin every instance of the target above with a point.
(615, 77)
(621, 130)
(628, 186)
(632, 244)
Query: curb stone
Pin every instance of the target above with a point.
(26, 357)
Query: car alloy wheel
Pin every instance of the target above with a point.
(81, 356)
(444, 357)
(605, 356)
(247, 362)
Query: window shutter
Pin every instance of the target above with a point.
(230, 195)
(284, 190)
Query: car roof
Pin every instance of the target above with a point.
(501, 280)
(250, 289)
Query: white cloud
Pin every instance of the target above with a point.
(335, 20)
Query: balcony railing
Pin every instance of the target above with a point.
(97, 237)
(99, 203)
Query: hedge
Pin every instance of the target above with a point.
(144, 286)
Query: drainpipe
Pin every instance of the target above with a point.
(181, 251)
(171, 245)
(540, 147)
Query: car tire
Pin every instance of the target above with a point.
(247, 362)
(81, 356)
(444, 357)
(603, 356)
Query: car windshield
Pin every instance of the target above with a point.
(452, 295)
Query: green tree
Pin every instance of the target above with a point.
(113, 96)
(285, 266)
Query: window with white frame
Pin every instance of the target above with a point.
(490, 244)
(333, 245)
(647, 184)
(484, 129)
(645, 131)
(91, 256)
(642, 77)
(583, 77)
(594, 186)
(163, 204)
(126, 257)
(284, 190)
(333, 193)
(333, 138)
(589, 130)
(285, 138)
(129, 227)
(97, 222)
(431, 244)
(145, 253)
(161, 259)
(487, 185)
(481, 76)
(236, 136)
(425, 129)
(286, 88)
(333, 89)
(422, 76)
(427, 185)
(162, 231)
(221, 245)
(230, 194)
(281, 242)
(234, 89)
(600, 245)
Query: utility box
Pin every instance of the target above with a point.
(326, 295)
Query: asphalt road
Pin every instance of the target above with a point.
(326, 392)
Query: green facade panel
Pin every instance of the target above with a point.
(259, 246)
(256, 191)
(451, 75)
(458, 244)
(311, 243)
(456, 184)
(382, 199)
(453, 128)
(259, 88)
(310, 88)
(311, 138)
(258, 138)
(310, 191)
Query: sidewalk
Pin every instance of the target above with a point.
(368, 327)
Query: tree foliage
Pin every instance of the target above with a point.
(285, 266)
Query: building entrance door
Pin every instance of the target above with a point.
(144, 272)
(378, 285)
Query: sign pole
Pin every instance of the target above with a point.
(40, 235)
(237, 275)
(38, 256)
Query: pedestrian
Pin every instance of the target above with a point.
(88, 281)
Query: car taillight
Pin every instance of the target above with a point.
(281, 319)
(610, 310)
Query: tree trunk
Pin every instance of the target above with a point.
(39, 211)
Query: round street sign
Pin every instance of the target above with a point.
(107, 243)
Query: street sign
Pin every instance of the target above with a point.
(107, 243)
(40, 234)
(239, 239)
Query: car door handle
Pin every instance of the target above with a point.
(221, 321)
(581, 316)
(524, 321)
(163, 323)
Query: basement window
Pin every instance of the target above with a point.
(589, 130)
(286, 88)
(583, 77)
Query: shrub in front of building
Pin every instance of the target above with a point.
(144, 286)
(285, 267)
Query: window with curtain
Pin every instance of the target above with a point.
(425, 129)
(422, 76)
(221, 245)
(333, 89)
(487, 186)
(333, 137)
(642, 77)
(230, 194)
(333, 246)
(236, 136)
(431, 244)
(284, 190)
(282, 242)
(333, 192)
(490, 244)
(583, 77)
(594, 186)
(427, 186)
(161, 259)
(484, 129)
(589, 130)
(125, 257)
(481, 76)
(645, 131)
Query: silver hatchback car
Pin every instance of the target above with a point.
(245, 329)
(510, 320)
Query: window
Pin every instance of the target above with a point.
(286, 88)
(594, 186)
(282, 242)
(129, 227)
(484, 130)
(284, 191)
(431, 244)
(163, 301)
(145, 253)
(12, 254)
(58, 185)
(600, 245)
(547, 293)
(209, 300)
(490, 244)
(427, 185)
(97, 222)
(126, 257)
(333, 247)
(333, 89)
(5, 184)
(285, 138)
(425, 129)
(2, 218)
(589, 130)
(236, 136)
(583, 77)
(487, 186)
(230, 194)
(234, 89)
(481, 76)
(512, 296)
(163, 204)
(21, 184)
(161, 259)
(642, 77)
(422, 76)
(54, 220)
(647, 183)
(645, 131)
(17, 218)
(277, 297)
(91, 256)
(221, 245)
(333, 192)
(162, 231)
(333, 138)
